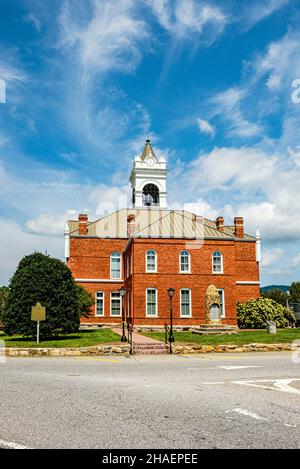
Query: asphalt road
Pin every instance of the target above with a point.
(205, 401)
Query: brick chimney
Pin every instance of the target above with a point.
(83, 220)
(130, 224)
(220, 223)
(239, 227)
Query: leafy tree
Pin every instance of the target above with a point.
(85, 300)
(256, 313)
(3, 299)
(49, 281)
(275, 294)
(295, 293)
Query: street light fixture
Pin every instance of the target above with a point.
(171, 292)
(122, 292)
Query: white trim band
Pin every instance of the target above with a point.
(246, 282)
(98, 280)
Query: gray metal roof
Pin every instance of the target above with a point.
(155, 223)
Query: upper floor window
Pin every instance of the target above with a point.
(217, 263)
(185, 263)
(115, 265)
(151, 261)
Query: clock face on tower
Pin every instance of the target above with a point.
(150, 162)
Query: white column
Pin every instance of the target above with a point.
(67, 242)
(258, 246)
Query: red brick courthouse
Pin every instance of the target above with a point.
(149, 248)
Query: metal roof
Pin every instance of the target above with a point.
(155, 223)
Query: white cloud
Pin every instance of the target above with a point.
(228, 105)
(108, 199)
(188, 18)
(296, 260)
(15, 243)
(254, 12)
(201, 207)
(239, 167)
(109, 38)
(294, 154)
(271, 256)
(205, 127)
(280, 63)
(50, 224)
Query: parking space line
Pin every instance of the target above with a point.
(11, 445)
(246, 412)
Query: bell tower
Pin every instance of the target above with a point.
(149, 179)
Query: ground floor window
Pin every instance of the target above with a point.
(151, 302)
(115, 304)
(185, 303)
(222, 302)
(99, 306)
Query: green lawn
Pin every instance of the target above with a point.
(78, 339)
(243, 337)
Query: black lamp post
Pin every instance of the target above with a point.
(122, 292)
(171, 292)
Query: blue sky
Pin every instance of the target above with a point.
(214, 84)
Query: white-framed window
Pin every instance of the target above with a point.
(115, 265)
(185, 303)
(151, 302)
(222, 302)
(99, 303)
(185, 262)
(115, 304)
(217, 263)
(151, 261)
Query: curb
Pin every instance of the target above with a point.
(123, 350)
(98, 350)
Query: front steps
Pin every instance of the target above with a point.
(158, 348)
(209, 329)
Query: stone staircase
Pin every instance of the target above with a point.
(142, 345)
(208, 329)
(149, 348)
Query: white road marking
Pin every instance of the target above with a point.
(240, 367)
(246, 412)
(281, 385)
(215, 382)
(11, 445)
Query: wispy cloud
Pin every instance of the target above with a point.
(205, 127)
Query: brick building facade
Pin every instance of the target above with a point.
(148, 249)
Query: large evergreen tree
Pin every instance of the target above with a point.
(49, 281)
(275, 294)
(3, 299)
(295, 293)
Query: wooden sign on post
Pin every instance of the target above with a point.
(38, 313)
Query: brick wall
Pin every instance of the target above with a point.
(90, 259)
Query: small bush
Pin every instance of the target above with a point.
(255, 314)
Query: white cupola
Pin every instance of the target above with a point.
(149, 179)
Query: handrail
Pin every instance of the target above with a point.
(167, 332)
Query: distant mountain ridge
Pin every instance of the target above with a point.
(283, 288)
